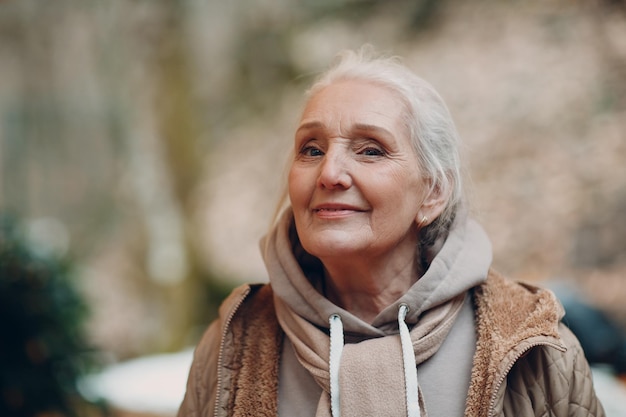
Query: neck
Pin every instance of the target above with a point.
(365, 288)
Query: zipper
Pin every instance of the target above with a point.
(220, 356)
(514, 360)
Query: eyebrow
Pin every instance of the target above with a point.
(372, 128)
(309, 125)
(357, 126)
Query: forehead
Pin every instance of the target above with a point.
(355, 101)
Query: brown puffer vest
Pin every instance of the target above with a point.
(526, 362)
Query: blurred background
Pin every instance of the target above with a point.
(143, 146)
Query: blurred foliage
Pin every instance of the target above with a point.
(43, 345)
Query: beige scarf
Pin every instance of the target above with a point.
(371, 379)
(371, 371)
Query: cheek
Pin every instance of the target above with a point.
(400, 193)
(291, 186)
(396, 183)
(297, 186)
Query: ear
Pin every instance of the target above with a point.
(434, 203)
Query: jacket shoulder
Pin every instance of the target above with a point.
(510, 317)
(522, 345)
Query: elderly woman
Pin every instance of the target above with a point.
(381, 299)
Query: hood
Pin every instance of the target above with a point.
(461, 263)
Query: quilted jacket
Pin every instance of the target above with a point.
(526, 363)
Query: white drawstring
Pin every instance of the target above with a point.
(336, 347)
(408, 357)
(410, 367)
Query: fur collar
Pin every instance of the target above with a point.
(511, 317)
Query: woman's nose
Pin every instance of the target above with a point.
(334, 171)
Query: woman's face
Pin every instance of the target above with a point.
(355, 184)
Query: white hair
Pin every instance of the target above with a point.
(427, 119)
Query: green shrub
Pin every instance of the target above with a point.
(43, 347)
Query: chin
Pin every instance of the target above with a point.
(330, 246)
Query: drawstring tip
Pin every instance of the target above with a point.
(336, 348)
(410, 366)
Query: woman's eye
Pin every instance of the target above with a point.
(370, 151)
(311, 151)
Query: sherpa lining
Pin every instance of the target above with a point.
(254, 385)
(507, 313)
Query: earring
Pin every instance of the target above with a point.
(424, 221)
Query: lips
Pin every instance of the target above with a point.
(335, 207)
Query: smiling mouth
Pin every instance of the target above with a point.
(335, 212)
(334, 209)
